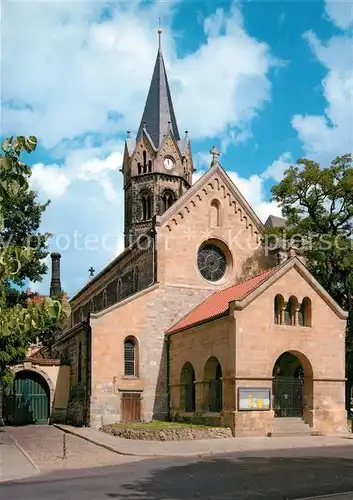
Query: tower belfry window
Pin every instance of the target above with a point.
(146, 201)
(168, 199)
(144, 162)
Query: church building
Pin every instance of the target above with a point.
(193, 321)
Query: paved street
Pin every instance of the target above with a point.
(272, 475)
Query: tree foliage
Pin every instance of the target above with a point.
(317, 204)
(20, 322)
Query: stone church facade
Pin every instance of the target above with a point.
(192, 313)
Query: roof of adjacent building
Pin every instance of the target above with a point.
(274, 221)
(158, 115)
(217, 304)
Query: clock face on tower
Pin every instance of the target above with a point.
(168, 163)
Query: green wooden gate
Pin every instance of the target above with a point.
(28, 402)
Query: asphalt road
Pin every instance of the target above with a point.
(273, 475)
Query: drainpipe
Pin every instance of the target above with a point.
(88, 332)
(167, 341)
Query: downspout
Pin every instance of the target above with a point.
(167, 341)
(88, 332)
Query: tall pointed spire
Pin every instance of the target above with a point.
(158, 114)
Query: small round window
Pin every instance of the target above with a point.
(212, 262)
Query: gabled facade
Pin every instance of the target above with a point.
(279, 334)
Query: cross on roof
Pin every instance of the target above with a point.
(214, 151)
(91, 271)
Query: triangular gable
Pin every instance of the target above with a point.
(305, 273)
(169, 134)
(219, 171)
(242, 294)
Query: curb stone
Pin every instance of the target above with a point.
(131, 454)
(200, 454)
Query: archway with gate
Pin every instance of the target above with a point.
(28, 401)
(292, 386)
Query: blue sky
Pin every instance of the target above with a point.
(266, 81)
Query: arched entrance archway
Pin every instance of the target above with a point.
(292, 386)
(187, 388)
(213, 380)
(28, 401)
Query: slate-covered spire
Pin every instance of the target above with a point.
(158, 116)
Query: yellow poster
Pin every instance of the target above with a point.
(260, 403)
(250, 405)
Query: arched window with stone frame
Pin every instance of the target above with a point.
(119, 290)
(290, 311)
(168, 198)
(304, 313)
(104, 299)
(91, 306)
(136, 279)
(215, 215)
(278, 309)
(130, 357)
(146, 205)
(79, 363)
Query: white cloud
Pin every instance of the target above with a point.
(49, 180)
(278, 167)
(82, 73)
(330, 134)
(340, 12)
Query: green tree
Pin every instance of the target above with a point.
(317, 204)
(22, 219)
(21, 322)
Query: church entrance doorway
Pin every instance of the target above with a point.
(290, 385)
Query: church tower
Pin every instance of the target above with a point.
(157, 166)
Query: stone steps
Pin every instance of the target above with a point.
(291, 426)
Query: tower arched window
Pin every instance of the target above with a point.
(149, 166)
(168, 199)
(130, 357)
(144, 162)
(146, 201)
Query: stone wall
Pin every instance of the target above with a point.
(146, 317)
(75, 349)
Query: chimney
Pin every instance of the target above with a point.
(55, 284)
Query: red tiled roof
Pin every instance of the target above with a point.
(218, 303)
(43, 362)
